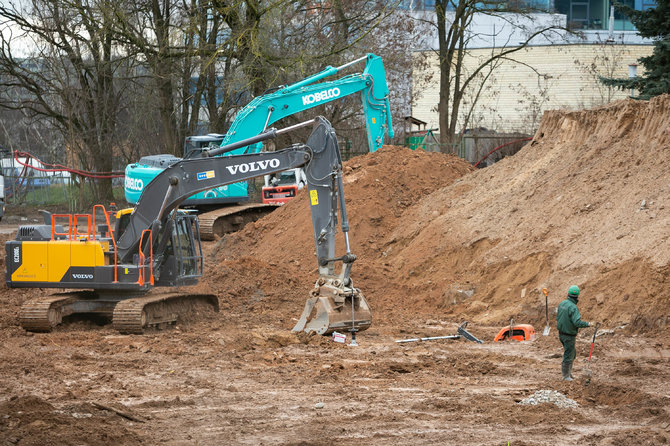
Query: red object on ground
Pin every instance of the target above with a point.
(521, 332)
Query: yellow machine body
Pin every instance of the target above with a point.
(50, 261)
(60, 264)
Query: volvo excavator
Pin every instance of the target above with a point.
(227, 208)
(116, 265)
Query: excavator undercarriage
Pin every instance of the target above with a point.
(66, 253)
(128, 314)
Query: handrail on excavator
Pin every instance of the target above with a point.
(111, 235)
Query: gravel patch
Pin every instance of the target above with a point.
(550, 396)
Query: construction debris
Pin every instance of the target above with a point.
(466, 334)
(520, 332)
(461, 332)
(120, 412)
(433, 338)
(339, 337)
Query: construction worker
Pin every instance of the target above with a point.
(568, 322)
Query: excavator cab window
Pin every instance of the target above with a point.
(182, 259)
(286, 177)
(122, 220)
(186, 246)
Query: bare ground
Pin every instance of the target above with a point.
(236, 380)
(438, 244)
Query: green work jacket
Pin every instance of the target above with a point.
(568, 319)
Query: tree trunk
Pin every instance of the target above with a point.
(445, 74)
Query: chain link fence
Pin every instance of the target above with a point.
(31, 189)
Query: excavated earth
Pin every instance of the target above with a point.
(438, 244)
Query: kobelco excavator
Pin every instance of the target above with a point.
(230, 202)
(157, 245)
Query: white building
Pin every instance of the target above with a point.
(557, 70)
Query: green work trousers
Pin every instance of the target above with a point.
(568, 342)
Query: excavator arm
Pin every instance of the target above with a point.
(179, 181)
(270, 108)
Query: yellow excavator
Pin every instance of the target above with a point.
(114, 266)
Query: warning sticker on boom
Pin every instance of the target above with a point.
(314, 197)
(206, 175)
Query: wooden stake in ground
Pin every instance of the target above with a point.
(546, 312)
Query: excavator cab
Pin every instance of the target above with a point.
(182, 261)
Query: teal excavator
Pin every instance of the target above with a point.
(232, 208)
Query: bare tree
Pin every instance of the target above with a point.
(455, 34)
(605, 63)
(66, 75)
(127, 78)
(299, 39)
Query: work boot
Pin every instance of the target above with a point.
(570, 370)
(565, 369)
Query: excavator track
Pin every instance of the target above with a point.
(135, 315)
(129, 314)
(42, 315)
(231, 218)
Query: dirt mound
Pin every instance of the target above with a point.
(277, 252)
(379, 188)
(30, 420)
(585, 202)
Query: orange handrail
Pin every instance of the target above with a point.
(53, 226)
(140, 279)
(75, 232)
(111, 234)
(140, 269)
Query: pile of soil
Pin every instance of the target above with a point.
(30, 420)
(270, 265)
(583, 203)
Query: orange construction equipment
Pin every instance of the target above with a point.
(520, 332)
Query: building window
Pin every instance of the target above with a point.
(595, 14)
(647, 4)
(581, 14)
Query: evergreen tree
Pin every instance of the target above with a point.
(655, 24)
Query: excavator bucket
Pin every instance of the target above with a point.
(332, 308)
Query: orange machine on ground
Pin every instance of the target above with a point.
(520, 332)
